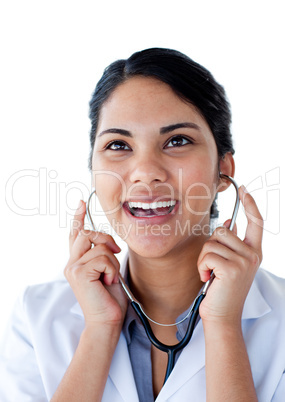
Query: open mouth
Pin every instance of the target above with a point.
(148, 210)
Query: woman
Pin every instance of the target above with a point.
(160, 134)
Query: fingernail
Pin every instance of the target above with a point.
(227, 224)
(79, 204)
(244, 189)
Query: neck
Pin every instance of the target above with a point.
(166, 286)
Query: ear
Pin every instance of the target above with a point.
(226, 166)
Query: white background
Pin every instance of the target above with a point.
(52, 55)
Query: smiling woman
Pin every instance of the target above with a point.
(160, 145)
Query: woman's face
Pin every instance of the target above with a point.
(155, 167)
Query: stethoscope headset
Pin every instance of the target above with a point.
(193, 313)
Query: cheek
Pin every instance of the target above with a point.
(199, 189)
(110, 190)
(109, 183)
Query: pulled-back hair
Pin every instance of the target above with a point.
(188, 79)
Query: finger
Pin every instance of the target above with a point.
(102, 267)
(97, 251)
(254, 230)
(227, 224)
(211, 262)
(86, 238)
(228, 239)
(214, 247)
(77, 224)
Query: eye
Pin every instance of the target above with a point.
(178, 141)
(118, 146)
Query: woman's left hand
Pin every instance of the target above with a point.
(234, 263)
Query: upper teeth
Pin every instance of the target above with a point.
(152, 205)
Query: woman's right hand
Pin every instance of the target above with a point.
(93, 274)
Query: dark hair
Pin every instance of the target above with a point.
(188, 79)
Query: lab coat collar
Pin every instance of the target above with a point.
(255, 305)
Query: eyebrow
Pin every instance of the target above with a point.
(163, 130)
(126, 133)
(172, 127)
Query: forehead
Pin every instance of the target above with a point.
(143, 85)
(142, 99)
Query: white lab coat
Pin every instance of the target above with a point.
(46, 326)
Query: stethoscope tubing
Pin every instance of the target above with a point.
(171, 350)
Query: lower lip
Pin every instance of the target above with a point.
(152, 220)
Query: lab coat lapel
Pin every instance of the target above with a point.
(121, 372)
(191, 360)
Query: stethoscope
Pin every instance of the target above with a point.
(193, 313)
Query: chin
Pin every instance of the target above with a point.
(148, 253)
(151, 247)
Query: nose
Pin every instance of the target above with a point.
(147, 169)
